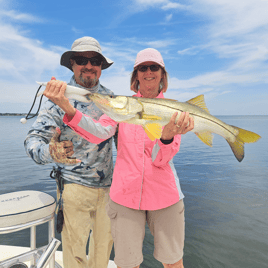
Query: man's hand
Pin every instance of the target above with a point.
(61, 151)
(184, 124)
(55, 92)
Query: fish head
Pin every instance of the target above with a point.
(119, 108)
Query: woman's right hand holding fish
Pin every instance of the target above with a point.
(184, 124)
(54, 91)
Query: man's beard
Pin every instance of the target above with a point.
(88, 82)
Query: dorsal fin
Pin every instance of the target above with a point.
(200, 102)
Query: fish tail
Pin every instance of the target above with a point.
(243, 136)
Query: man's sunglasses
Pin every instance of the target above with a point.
(153, 68)
(94, 61)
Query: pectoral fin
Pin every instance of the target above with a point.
(205, 137)
(153, 131)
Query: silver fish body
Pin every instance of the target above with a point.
(153, 114)
(71, 92)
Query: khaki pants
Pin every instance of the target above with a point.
(84, 210)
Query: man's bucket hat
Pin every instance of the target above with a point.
(149, 54)
(84, 44)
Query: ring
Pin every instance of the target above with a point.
(178, 126)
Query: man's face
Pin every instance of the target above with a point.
(86, 75)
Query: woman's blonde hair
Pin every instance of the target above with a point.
(134, 82)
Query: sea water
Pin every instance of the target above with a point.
(226, 202)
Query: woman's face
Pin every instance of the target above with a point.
(149, 81)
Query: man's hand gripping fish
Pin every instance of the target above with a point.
(153, 114)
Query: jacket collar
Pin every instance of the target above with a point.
(160, 96)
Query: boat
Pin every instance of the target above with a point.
(28, 209)
(7, 252)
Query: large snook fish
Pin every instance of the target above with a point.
(153, 114)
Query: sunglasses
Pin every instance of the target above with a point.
(94, 61)
(153, 68)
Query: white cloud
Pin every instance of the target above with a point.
(169, 17)
(21, 17)
(23, 59)
(160, 43)
(188, 51)
(118, 80)
(151, 2)
(26, 57)
(172, 5)
(233, 17)
(163, 4)
(77, 31)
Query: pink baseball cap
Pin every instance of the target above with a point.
(149, 54)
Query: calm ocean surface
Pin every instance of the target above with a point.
(226, 209)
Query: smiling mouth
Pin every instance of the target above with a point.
(149, 78)
(88, 72)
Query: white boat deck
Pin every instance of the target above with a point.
(10, 251)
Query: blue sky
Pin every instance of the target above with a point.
(218, 48)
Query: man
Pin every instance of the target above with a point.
(87, 180)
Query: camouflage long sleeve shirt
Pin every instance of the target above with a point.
(96, 167)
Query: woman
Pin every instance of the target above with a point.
(145, 185)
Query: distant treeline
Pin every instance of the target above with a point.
(13, 114)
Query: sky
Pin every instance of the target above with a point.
(218, 48)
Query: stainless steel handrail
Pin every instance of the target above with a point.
(15, 228)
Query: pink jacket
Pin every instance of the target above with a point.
(144, 175)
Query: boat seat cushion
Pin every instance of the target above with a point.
(25, 206)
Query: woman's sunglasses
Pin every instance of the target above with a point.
(80, 60)
(153, 68)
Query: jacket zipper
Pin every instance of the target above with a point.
(142, 171)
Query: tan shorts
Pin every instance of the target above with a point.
(128, 230)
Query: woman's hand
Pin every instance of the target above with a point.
(55, 92)
(184, 124)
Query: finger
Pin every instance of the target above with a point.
(60, 91)
(72, 161)
(191, 123)
(52, 88)
(67, 160)
(49, 88)
(190, 126)
(56, 136)
(57, 87)
(53, 78)
(181, 118)
(67, 144)
(63, 88)
(173, 118)
(69, 153)
(185, 121)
